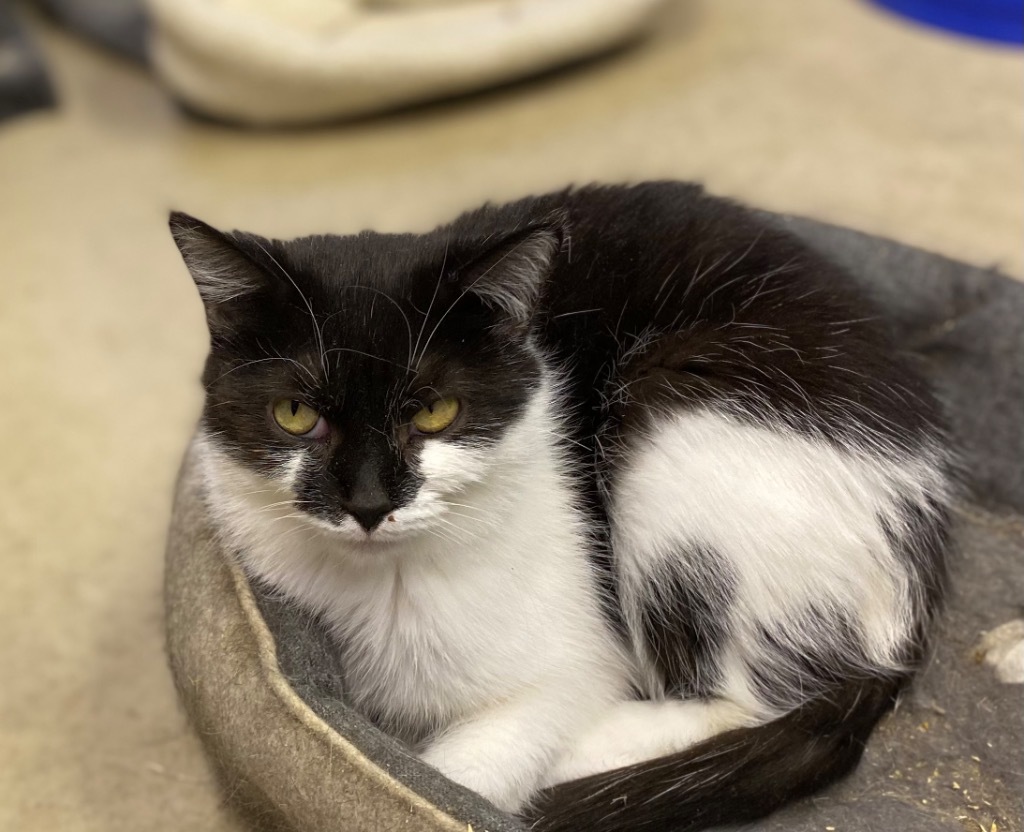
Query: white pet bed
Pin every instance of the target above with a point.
(276, 62)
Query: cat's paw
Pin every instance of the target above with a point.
(590, 758)
(632, 732)
(614, 742)
(467, 768)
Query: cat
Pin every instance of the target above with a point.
(619, 502)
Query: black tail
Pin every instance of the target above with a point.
(735, 777)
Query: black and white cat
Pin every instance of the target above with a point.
(618, 486)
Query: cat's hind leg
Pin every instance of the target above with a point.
(758, 564)
(775, 586)
(758, 570)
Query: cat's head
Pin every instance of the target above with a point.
(371, 377)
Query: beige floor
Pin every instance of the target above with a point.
(827, 109)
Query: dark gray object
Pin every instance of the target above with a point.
(24, 83)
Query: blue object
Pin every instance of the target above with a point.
(998, 20)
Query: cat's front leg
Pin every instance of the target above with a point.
(503, 753)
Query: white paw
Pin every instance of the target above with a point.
(633, 732)
(611, 743)
(584, 762)
(476, 775)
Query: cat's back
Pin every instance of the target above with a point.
(667, 254)
(663, 276)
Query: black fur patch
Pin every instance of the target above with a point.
(814, 667)
(922, 541)
(685, 622)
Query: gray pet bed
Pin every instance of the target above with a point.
(262, 686)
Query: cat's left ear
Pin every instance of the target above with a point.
(510, 277)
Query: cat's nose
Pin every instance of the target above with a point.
(369, 513)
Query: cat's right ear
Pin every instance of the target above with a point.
(224, 275)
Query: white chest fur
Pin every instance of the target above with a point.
(459, 610)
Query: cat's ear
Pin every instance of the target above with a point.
(510, 276)
(224, 275)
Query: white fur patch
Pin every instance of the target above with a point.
(796, 520)
(631, 732)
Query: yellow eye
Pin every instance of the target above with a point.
(437, 417)
(296, 417)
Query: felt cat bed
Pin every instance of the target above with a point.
(275, 62)
(261, 684)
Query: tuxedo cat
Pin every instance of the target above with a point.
(620, 504)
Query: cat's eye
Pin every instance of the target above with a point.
(436, 417)
(295, 417)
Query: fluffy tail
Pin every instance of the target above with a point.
(735, 777)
